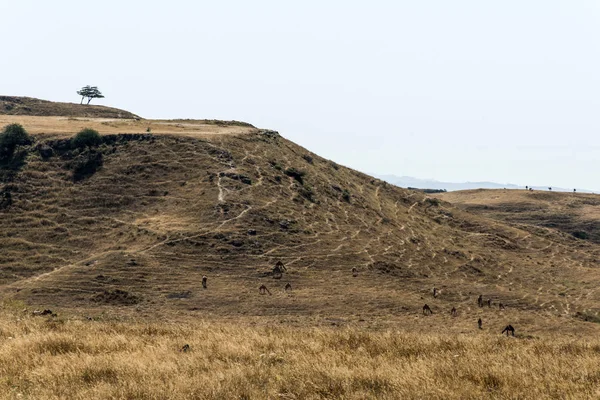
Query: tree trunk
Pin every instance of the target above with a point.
(82, 100)
(90, 99)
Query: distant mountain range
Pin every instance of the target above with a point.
(408, 181)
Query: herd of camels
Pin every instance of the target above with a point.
(280, 268)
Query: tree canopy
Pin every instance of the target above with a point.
(90, 92)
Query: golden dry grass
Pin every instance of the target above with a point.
(68, 126)
(74, 359)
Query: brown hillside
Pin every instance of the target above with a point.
(135, 237)
(12, 105)
(575, 214)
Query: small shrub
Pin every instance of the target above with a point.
(308, 158)
(296, 174)
(87, 138)
(307, 193)
(346, 195)
(86, 164)
(275, 165)
(581, 235)
(432, 201)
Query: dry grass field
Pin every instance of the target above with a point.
(116, 240)
(79, 359)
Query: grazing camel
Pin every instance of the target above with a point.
(204, 279)
(354, 272)
(185, 348)
(480, 300)
(427, 310)
(288, 286)
(480, 323)
(278, 270)
(453, 312)
(509, 329)
(263, 290)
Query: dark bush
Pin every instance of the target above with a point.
(5, 199)
(12, 136)
(296, 174)
(86, 164)
(346, 195)
(308, 158)
(581, 235)
(307, 193)
(87, 138)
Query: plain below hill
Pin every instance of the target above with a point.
(130, 228)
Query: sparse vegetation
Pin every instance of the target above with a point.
(297, 174)
(86, 164)
(308, 158)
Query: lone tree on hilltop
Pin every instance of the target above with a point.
(90, 92)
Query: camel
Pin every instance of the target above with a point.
(263, 290)
(278, 270)
(509, 329)
(427, 310)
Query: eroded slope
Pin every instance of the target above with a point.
(164, 210)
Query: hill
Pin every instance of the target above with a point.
(129, 230)
(576, 214)
(12, 105)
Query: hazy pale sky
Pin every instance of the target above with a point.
(506, 91)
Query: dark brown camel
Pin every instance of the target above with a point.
(427, 310)
(509, 329)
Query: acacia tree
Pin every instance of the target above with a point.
(90, 92)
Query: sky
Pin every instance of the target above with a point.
(464, 90)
